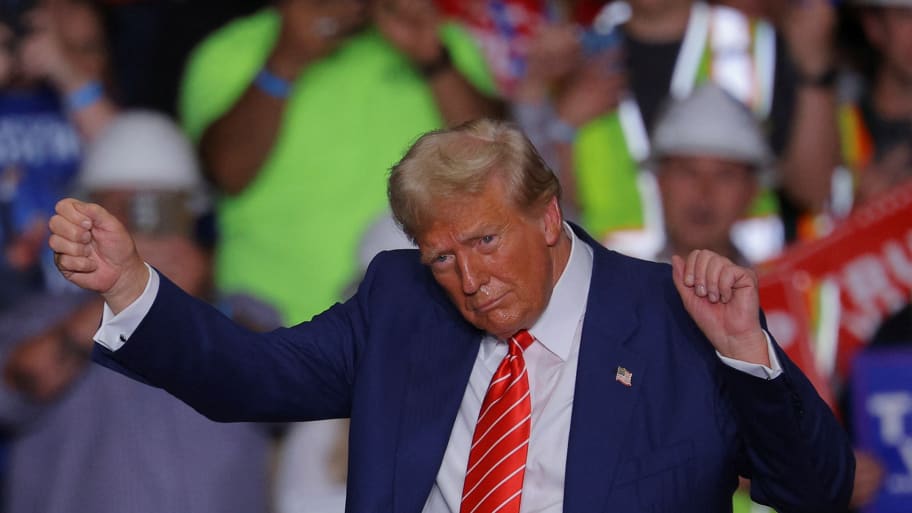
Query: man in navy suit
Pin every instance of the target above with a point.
(651, 388)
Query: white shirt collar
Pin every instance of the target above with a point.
(557, 325)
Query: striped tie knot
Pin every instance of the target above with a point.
(520, 342)
(497, 458)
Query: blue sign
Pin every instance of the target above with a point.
(882, 416)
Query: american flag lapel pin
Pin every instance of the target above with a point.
(623, 376)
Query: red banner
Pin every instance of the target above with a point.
(825, 299)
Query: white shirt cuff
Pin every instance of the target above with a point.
(755, 369)
(115, 330)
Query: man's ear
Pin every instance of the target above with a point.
(552, 222)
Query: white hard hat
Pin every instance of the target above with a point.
(141, 150)
(710, 122)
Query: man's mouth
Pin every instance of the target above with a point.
(488, 305)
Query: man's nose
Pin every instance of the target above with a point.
(472, 274)
(706, 185)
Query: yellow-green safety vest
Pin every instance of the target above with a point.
(616, 195)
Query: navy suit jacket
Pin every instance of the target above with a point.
(396, 359)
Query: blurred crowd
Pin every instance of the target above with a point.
(246, 144)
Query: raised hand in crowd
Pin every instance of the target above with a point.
(812, 153)
(808, 28)
(64, 45)
(413, 27)
(235, 146)
(552, 55)
(592, 89)
(311, 31)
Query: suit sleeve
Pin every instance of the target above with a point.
(228, 373)
(795, 452)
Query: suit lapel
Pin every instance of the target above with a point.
(602, 406)
(442, 355)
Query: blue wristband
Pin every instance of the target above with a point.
(272, 84)
(85, 96)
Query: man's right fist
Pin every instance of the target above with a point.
(96, 252)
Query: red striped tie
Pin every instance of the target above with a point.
(497, 459)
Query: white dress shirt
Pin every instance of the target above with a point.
(551, 363)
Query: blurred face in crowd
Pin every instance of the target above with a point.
(498, 263)
(330, 18)
(702, 197)
(56, 38)
(82, 34)
(889, 29)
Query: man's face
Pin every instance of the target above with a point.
(83, 36)
(329, 19)
(702, 197)
(497, 263)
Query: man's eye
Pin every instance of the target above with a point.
(487, 239)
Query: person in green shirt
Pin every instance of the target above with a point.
(298, 111)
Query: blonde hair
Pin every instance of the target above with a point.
(459, 162)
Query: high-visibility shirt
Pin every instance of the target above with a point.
(616, 194)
